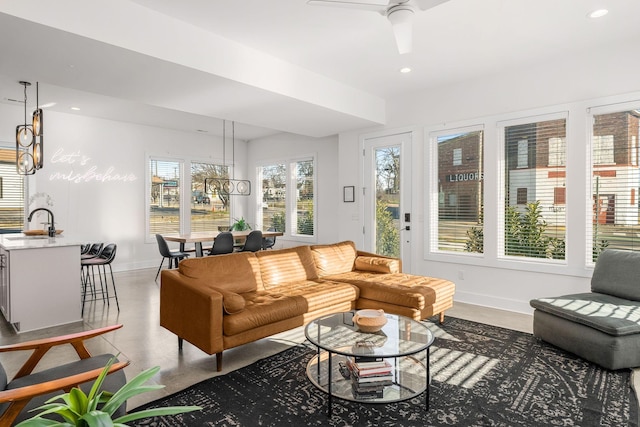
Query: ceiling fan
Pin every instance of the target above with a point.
(398, 12)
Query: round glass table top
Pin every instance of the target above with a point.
(338, 333)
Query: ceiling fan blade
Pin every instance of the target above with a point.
(373, 5)
(428, 4)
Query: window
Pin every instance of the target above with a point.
(274, 191)
(534, 211)
(559, 196)
(164, 206)
(460, 192)
(615, 178)
(288, 197)
(209, 208)
(457, 156)
(11, 193)
(557, 151)
(522, 196)
(603, 149)
(523, 153)
(304, 197)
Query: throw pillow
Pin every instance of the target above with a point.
(378, 265)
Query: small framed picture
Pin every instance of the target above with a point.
(349, 193)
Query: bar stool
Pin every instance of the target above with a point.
(104, 259)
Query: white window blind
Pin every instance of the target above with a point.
(615, 181)
(460, 191)
(11, 193)
(534, 202)
(304, 197)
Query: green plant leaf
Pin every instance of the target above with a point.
(131, 388)
(97, 419)
(42, 422)
(97, 385)
(78, 401)
(157, 412)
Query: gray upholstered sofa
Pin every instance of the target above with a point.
(602, 326)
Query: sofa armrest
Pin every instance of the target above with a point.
(378, 263)
(192, 311)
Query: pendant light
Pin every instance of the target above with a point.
(29, 141)
(229, 186)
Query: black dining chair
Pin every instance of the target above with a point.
(269, 242)
(223, 244)
(253, 242)
(174, 256)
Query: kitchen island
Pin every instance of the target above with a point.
(39, 281)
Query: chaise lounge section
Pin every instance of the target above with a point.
(224, 301)
(602, 326)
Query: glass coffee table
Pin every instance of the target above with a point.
(344, 351)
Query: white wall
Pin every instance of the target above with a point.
(597, 77)
(91, 209)
(289, 146)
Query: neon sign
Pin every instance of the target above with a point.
(89, 172)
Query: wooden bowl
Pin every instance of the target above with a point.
(38, 232)
(369, 320)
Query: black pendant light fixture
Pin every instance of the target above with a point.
(231, 187)
(29, 141)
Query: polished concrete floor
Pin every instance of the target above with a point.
(145, 344)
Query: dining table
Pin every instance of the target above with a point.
(198, 237)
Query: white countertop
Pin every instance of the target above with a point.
(17, 241)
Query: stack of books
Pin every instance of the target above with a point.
(369, 376)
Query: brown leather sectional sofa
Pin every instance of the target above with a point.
(223, 301)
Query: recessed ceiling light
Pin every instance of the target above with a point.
(405, 70)
(75, 108)
(599, 13)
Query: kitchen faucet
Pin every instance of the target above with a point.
(52, 227)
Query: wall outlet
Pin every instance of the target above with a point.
(461, 274)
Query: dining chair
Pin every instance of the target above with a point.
(269, 242)
(253, 242)
(223, 244)
(28, 390)
(173, 256)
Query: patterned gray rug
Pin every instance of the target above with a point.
(482, 376)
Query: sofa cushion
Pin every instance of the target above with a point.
(320, 294)
(237, 273)
(231, 301)
(263, 308)
(377, 264)
(334, 259)
(606, 313)
(284, 266)
(617, 273)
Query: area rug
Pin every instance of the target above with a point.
(481, 376)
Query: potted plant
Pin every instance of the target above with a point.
(240, 225)
(78, 409)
